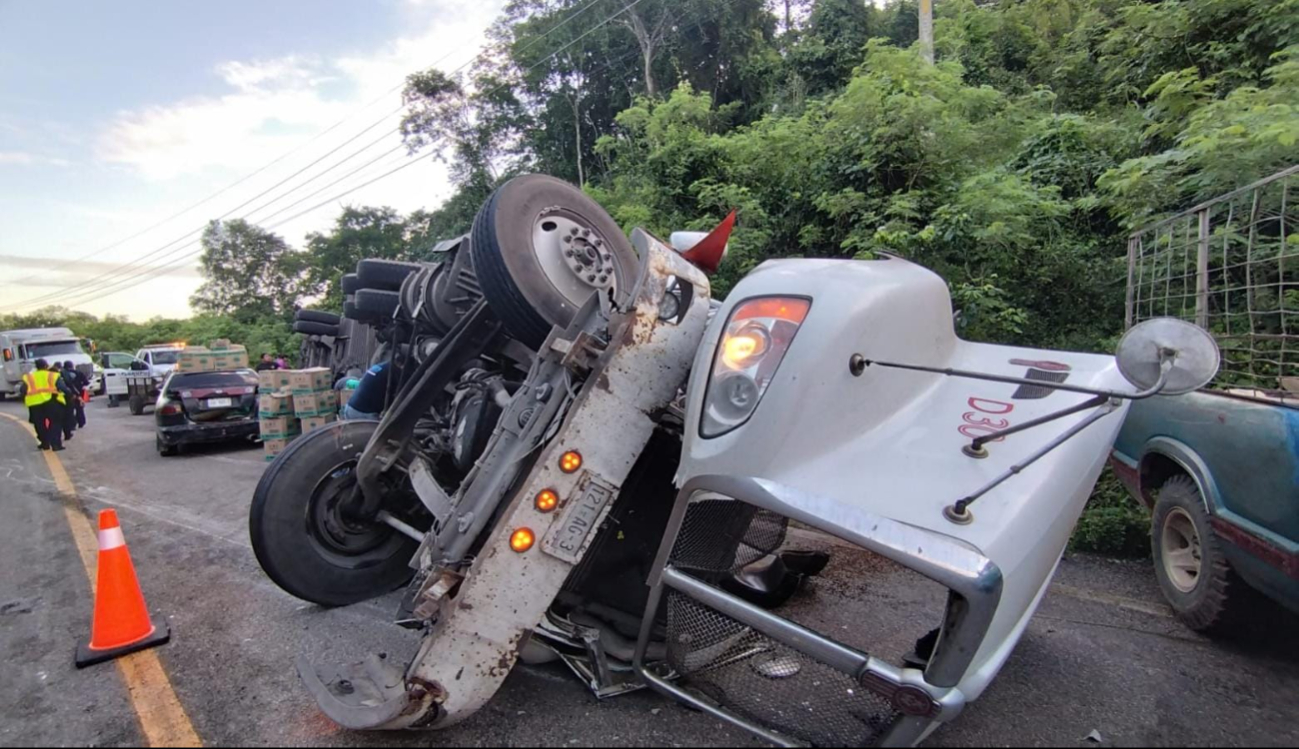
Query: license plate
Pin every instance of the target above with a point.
(569, 534)
(220, 402)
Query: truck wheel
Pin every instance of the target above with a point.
(350, 284)
(136, 404)
(315, 315)
(376, 303)
(328, 559)
(386, 275)
(311, 327)
(1194, 574)
(540, 249)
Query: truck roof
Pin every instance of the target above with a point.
(26, 334)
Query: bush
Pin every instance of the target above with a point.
(1114, 523)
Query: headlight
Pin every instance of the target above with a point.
(757, 336)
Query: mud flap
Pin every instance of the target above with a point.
(368, 695)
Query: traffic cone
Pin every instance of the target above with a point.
(121, 624)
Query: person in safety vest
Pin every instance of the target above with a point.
(44, 399)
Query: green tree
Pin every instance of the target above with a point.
(248, 272)
(358, 233)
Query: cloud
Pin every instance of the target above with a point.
(25, 159)
(271, 106)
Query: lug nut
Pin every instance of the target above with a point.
(568, 253)
(568, 239)
(591, 279)
(586, 232)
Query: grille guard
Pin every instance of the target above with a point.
(921, 700)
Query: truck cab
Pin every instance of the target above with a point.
(19, 350)
(161, 359)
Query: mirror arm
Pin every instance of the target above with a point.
(976, 445)
(1165, 368)
(959, 511)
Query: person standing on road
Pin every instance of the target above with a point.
(40, 393)
(67, 396)
(281, 362)
(77, 408)
(266, 363)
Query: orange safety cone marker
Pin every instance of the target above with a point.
(122, 624)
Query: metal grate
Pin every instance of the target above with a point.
(768, 683)
(720, 536)
(1231, 266)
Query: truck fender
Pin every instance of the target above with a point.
(1188, 461)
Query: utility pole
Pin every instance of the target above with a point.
(927, 30)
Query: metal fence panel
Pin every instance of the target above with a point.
(1230, 265)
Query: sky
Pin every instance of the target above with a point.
(125, 127)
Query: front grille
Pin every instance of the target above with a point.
(722, 536)
(767, 683)
(860, 600)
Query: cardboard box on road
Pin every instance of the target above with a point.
(312, 423)
(273, 380)
(279, 426)
(275, 404)
(315, 403)
(311, 380)
(273, 446)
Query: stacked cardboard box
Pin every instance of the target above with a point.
(203, 359)
(315, 402)
(294, 402)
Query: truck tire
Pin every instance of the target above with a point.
(315, 315)
(1193, 573)
(540, 249)
(377, 303)
(350, 283)
(136, 403)
(324, 560)
(310, 327)
(385, 275)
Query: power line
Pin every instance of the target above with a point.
(160, 251)
(150, 273)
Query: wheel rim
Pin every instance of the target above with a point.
(345, 542)
(1180, 550)
(575, 257)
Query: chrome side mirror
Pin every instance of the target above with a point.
(1169, 356)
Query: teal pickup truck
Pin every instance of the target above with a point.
(1219, 468)
(1220, 474)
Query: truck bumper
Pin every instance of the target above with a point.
(783, 680)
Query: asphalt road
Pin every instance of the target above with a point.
(1102, 655)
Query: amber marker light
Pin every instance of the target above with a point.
(547, 500)
(570, 461)
(522, 540)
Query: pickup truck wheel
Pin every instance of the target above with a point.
(1193, 573)
(136, 403)
(541, 248)
(302, 540)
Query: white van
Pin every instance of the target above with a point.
(19, 350)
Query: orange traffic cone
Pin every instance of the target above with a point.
(121, 623)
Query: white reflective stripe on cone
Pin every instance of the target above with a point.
(111, 538)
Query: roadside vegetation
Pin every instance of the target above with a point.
(1014, 167)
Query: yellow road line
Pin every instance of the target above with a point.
(162, 717)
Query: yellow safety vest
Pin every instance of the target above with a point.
(42, 385)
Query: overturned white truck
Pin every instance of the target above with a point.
(584, 458)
